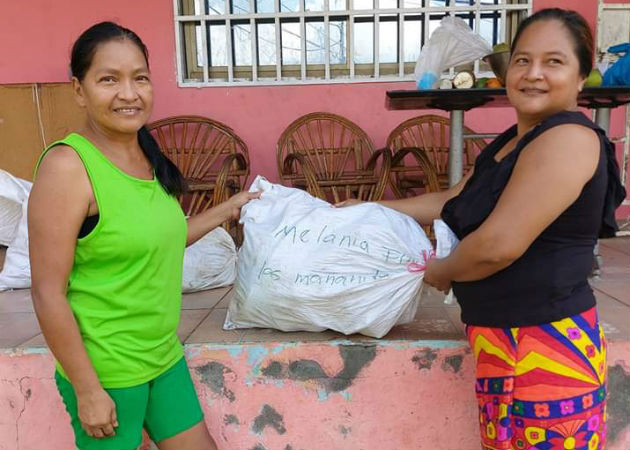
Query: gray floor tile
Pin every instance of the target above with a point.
(18, 300)
(432, 323)
(614, 317)
(615, 277)
(37, 341)
(621, 244)
(612, 257)
(454, 314)
(614, 288)
(225, 301)
(190, 320)
(17, 327)
(204, 299)
(432, 297)
(211, 330)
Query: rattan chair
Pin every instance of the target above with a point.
(211, 157)
(421, 139)
(332, 158)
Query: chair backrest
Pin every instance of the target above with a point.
(337, 154)
(431, 133)
(212, 158)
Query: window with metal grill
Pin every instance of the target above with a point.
(239, 42)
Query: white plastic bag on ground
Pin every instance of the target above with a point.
(16, 272)
(305, 265)
(13, 193)
(210, 262)
(446, 241)
(451, 44)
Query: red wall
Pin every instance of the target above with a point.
(35, 41)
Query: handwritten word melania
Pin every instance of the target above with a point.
(323, 237)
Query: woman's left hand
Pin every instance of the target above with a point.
(235, 202)
(434, 275)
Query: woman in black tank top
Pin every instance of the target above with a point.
(528, 216)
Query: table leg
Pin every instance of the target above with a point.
(456, 150)
(602, 118)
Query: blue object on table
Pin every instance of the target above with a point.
(427, 80)
(619, 73)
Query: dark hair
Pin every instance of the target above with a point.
(578, 28)
(81, 58)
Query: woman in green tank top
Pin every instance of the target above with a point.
(108, 298)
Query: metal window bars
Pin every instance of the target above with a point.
(500, 19)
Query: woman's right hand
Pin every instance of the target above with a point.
(236, 202)
(349, 202)
(97, 413)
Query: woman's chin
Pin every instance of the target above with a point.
(126, 126)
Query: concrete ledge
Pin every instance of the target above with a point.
(340, 394)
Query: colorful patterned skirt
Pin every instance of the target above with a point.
(542, 387)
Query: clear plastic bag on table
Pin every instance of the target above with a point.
(446, 241)
(306, 266)
(451, 44)
(210, 262)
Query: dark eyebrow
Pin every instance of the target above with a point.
(550, 53)
(110, 70)
(556, 52)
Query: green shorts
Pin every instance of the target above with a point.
(164, 406)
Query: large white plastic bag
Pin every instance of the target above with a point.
(305, 265)
(210, 262)
(446, 241)
(451, 44)
(13, 193)
(16, 273)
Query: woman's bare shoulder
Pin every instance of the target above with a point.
(567, 146)
(61, 170)
(60, 158)
(566, 141)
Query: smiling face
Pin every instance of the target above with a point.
(116, 90)
(544, 72)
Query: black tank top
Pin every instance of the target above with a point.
(549, 281)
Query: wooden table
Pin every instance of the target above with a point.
(457, 101)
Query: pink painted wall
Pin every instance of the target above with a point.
(405, 395)
(37, 50)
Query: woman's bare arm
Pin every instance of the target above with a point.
(548, 177)
(58, 204)
(423, 208)
(208, 220)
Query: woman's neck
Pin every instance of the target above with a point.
(526, 122)
(105, 140)
(523, 126)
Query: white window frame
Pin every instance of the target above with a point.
(503, 8)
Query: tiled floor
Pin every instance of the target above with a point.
(203, 313)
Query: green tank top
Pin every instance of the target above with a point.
(125, 284)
